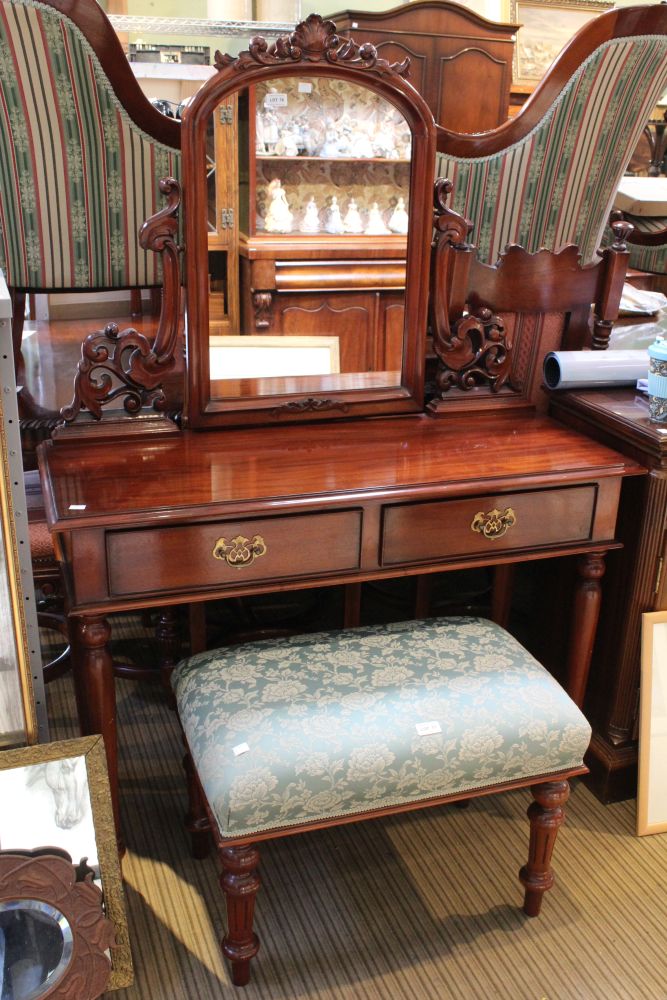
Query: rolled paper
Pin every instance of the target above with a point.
(577, 369)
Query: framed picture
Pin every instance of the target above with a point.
(546, 28)
(60, 798)
(20, 665)
(652, 791)
(268, 356)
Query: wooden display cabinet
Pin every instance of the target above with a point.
(459, 62)
(295, 283)
(636, 578)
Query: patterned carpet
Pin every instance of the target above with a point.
(423, 906)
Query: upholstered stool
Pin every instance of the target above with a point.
(316, 730)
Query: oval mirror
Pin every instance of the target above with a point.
(307, 179)
(36, 947)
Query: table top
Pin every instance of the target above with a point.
(311, 465)
(644, 196)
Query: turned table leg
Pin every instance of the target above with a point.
(96, 690)
(546, 816)
(196, 820)
(585, 616)
(168, 635)
(240, 883)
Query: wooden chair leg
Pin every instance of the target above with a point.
(546, 816)
(196, 820)
(240, 883)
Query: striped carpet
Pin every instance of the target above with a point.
(423, 906)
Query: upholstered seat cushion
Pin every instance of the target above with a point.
(330, 720)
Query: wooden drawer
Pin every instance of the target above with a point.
(182, 558)
(426, 532)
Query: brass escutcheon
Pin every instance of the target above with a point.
(239, 551)
(495, 523)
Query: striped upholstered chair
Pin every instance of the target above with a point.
(547, 178)
(82, 151)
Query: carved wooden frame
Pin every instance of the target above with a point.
(92, 748)
(49, 877)
(315, 49)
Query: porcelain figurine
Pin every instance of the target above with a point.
(279, 219)
(311, 219)
(375, 225)
(287, 144)
(398, 221)
(330, 147)
(270, 133)
(360, 143)
(334, 222)
(352, 222)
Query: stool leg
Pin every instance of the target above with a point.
(546, 815)
(196, 820)
(240, 883)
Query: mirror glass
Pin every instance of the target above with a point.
(307, 244)
(36, 947)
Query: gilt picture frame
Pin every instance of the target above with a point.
(652, 778)
(61, 798)
(546, 28)
(20, 664)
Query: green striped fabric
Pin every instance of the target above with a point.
(77, 176)
(557, 184)
(653, 259)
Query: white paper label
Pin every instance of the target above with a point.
(275, 101)
(77, 506)
(239, 749)
(428, 728)
(305, 87)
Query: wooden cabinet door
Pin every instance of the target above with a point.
(350, 316)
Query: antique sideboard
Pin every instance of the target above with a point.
(637, 578)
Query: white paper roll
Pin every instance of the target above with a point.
(574, 369)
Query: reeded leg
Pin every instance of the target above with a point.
(546, 815)
(196, 821)
(585, 616)
(96, 696)
(240, 883)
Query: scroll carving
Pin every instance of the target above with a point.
(309, 405)
(263, 302)
(473, 349)
(127, 365)
(313, 40)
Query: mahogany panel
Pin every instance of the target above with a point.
(414, 532)
(480, 79)
(182, 558)
(351, 317)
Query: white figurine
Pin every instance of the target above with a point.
(334, 222)
(375, 225)
(270, 132)
(287, 144)
(352, 222)
(330, 147)
(311, 218)
(278, 217)
(360, 143)
(398, 221)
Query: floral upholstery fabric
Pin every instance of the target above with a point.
(78, 176)
(330, 720)
(557, 184)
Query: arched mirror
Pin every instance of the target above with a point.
(36, 945)
(307, 179)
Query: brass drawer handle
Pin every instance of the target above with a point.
(240, 551)
(495, 523)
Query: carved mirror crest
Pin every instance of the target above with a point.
(307, 178)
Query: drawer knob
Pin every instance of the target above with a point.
(495, 523)
(239, 551)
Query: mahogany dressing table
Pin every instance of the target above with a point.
(292, 482)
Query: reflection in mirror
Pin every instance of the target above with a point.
(307, 255)
(36, 947)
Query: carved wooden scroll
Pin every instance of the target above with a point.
(127, 366)
(313, 40)
(472, 348)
